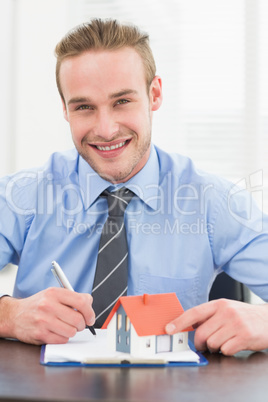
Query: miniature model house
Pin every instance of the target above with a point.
(136, 325)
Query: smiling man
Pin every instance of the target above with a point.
(111, 115)
(182, 226)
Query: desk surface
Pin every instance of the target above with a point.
(240, 378)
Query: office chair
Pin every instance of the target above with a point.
(226, 287)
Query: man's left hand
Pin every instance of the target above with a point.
(225, 325)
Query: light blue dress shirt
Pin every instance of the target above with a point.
(183, 227)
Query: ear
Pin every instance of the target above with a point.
(65, 113)
(156, 95)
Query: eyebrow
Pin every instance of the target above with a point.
(123, 92)
(79, 100)
(115, 95)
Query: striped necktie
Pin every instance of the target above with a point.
(111, 275)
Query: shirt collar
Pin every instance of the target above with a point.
(145, 184)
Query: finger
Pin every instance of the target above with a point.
(41, 332)
(62, 329)
(86, 309)
(81, 302)
(211, 334)
(56, 339)
(75, 300)
(70, 316)
(49, 337)
(221, 337)
(92, 320)
(191, 318)
(231, 347)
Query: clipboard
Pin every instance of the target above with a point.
(124, 363)
(75, 352)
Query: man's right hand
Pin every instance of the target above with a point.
(51, 316)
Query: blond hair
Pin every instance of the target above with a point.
(107, 34)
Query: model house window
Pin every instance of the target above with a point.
(118, 338)
(127, 340)
(180, 339)
(127, 324)
(119, 321)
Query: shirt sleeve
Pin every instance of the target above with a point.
(239, 238)
(16, 195)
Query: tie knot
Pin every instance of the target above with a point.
(118, 201)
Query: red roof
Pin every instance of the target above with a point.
(149, 314)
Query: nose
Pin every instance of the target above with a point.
(105, 125)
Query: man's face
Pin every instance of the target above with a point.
(107, 104)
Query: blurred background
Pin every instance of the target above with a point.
(212, 57)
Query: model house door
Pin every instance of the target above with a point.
(163, 343)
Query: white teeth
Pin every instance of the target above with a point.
(111, 147)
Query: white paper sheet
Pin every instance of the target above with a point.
(87, 348)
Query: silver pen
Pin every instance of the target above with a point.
(64, 283)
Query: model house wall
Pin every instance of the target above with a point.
(123, 336)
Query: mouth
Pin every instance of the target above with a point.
(111, 151)
(111, 147)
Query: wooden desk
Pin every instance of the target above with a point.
(240, 378)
